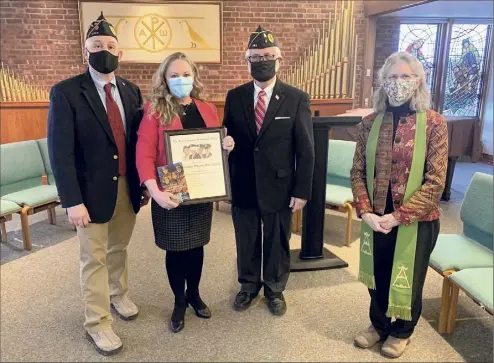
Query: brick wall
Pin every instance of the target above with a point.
(387, 41)
(42, 38)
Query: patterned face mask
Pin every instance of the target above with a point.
(399, 90)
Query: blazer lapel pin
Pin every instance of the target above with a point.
(277, 97)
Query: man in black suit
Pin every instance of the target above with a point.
(92, 135)
(271, 171)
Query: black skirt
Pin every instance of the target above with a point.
(183, 228)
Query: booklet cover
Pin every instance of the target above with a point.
(172, 180)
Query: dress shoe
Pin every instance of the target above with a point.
(243, 300)
(106, 342)
(201, 309)
(277, 305)
(177, 321)
(394, 347)
(124, 307)
(367, 338)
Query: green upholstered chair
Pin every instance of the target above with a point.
(7, 208)
(43, 148)
(475, 283)
(338, 188)
(21, 182)
(472, 248)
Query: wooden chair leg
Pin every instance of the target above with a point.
(349, 209)
(4, 231)
(217, 205)
(54, 212)
(455, 291)
(26, 233)
(445, 304)
(52, 216)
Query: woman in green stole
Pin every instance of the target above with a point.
(398, 176)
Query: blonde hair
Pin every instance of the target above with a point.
(163, 103)
(421, 99)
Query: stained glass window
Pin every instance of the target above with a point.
(465, 68)
(420, 41)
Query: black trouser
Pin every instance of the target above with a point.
(185, 266)
(384, 249)
(269, 245)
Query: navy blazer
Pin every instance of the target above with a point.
(268, 169)
(82, 148)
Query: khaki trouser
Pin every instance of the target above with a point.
(103, 255)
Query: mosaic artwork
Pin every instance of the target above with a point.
(420, 41)
(465, 67)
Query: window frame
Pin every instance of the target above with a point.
(442, 54)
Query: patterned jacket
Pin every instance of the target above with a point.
(393, 163)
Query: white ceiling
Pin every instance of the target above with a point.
(449, 9)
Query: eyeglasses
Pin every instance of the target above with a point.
(404, 76)
(260, 58)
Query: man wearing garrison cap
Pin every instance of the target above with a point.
(92, 134)
(271, 171)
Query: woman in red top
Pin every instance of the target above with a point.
(182, 231)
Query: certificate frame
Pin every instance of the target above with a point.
(193, 134)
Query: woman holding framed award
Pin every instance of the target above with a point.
(180, 230)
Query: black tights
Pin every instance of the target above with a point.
(185, 266)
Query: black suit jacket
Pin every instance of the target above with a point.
(82, 148)
(268, 169)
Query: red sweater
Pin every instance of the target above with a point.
(150, 150)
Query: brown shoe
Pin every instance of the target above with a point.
(394, 347)
(367, 338)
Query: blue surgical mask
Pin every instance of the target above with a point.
(181, 87)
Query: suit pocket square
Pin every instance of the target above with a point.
(282, 118)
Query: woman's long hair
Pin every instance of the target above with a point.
(421, 99)
(163, 103)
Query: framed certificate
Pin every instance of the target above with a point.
(204, 162)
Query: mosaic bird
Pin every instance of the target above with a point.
(194, 37)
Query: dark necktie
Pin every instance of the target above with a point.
(117, 127)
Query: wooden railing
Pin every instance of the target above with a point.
(27, 120)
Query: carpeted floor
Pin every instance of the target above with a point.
(41, 309)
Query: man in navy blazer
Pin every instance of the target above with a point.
(92, 134)
(271, 171)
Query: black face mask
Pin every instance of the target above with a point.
(263, 71)
(103, 61)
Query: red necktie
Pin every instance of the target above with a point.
(117, 127)
(260, 110)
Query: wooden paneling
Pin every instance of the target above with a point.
(21, 121)
(325, 107)
(27, 120)
(385, 7)
(370, 50)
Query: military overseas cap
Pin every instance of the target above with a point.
(101, 26)
(261, 39)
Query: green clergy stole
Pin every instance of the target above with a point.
(400, 289)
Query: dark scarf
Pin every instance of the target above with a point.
(403, 110)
